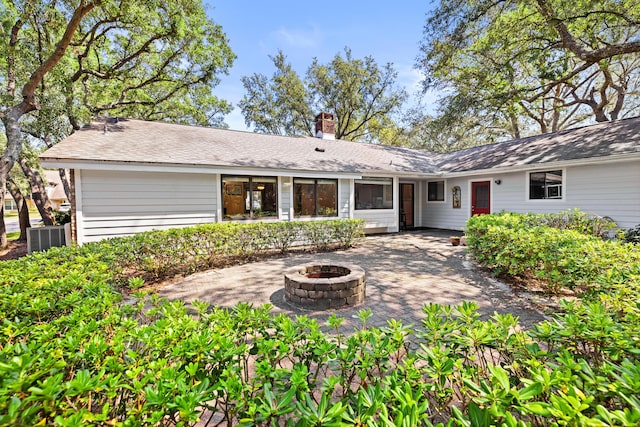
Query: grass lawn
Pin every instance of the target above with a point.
(33, 213)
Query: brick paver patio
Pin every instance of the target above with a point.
(404, 271)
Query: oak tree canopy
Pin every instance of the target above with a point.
(533, 66)
(362, 95)
(62, 62)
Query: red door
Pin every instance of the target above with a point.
(480, 197)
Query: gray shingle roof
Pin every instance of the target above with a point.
(621, 137)
(137, 141)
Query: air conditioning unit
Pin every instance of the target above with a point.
(43, 238)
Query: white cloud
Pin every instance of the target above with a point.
(299, 37)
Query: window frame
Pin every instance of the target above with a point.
(252, 214)
(12, 205)
(562, 186)
(381, 181)
(444, 191)
(315, 197)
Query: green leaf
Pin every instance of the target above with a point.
(479, 417)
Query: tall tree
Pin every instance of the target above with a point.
(447, 132)
(30, 167)
(363, 96)
(62, 62)
(549, 64)
(280, 105)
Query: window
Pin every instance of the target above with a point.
(435, 191)
(249, 197)
(374, 193)
(545, 185)
(315, 197)
(10, 205)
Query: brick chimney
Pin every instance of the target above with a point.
(325, 127)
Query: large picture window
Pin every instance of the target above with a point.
(435, 191)
(545, 185)
(374, 193)
(249, 197)
(315, 197)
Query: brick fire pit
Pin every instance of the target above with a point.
(322, 286)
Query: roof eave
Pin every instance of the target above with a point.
(90, 164)
(627, 157)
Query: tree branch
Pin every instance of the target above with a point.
(28, 91)
(569, 42)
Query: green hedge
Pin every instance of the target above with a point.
(159, 254)
(568, 257)
(73, 353)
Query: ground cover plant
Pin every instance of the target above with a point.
(77, 350)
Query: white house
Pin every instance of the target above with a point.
(130, 176)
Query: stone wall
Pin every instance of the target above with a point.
(319, 293)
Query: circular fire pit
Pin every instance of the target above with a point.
(322, 286)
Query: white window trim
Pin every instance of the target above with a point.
(394, 190)
(527, 185)
(440, 202)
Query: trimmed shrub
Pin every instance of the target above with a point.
(632, 235)
(516, 245)
(577, 220)
(163, 253)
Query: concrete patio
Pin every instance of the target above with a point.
(404, 271)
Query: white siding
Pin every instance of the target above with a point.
(114, 204)
(345, 188)
(606, 189)
(378, 220)
(124, 203)
(441, 214)
(286, 198)
(611, 190)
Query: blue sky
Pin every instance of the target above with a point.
(389, 31)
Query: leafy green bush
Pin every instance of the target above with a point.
(62, 217)
(632, 235)
(577, 220)
(74, 353)
(150, 362)
(516, 245)
(163, 253)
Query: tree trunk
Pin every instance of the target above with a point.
(515, 126)
(3, 228)
(23, 209)
(8, 158)
(11, 116)
(38, 192)
(65, 182)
